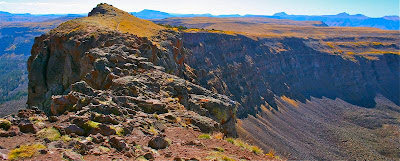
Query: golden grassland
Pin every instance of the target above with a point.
(345, 41)
(266, 27)
(368, 50)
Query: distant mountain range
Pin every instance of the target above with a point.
(341, 19)
(345, 20)
(10, 17)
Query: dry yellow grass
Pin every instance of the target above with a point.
(116, 20)
(346, 41)
(245, 145)
(381, 52)
(264, 27)
(371, 57)
(290, 101)
(25, 151)
(218, 136)
(196, 30)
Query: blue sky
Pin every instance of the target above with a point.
(372, 8)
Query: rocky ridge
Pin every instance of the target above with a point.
(98, 91)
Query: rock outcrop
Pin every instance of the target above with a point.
(109, 72)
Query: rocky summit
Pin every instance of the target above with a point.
(112, 86)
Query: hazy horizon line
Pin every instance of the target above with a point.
(38, 14)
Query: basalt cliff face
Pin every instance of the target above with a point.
(300, 101)
(253, 73)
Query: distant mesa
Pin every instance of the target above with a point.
(343, 14)
(280, 14)
(151, 14)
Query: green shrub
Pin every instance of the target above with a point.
(49, 133)
(205, 136)
(90, 125)
(104, 149)
(219, 149)
(66, 138)
(219, 156)
(226, 158)
(118, 130)
(89, 138)
(272, 154)
(230, 140)
(244, 145)
(153, 130)
(141, 158)
(138, 147)
(5, 124)
(256, 150)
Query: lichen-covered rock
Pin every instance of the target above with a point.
(74, 129)
(27, 126)
(72, 156)
(63, 103)
(25, 113)
(118, 143)
(158, 142)
(13, 131)
(97, 138)
(103, 129)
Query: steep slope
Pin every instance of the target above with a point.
(18, 37)
(16, 41)
(13, 78)
(98, 92)
(254, 71)
(276, 79)
(327, 129)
